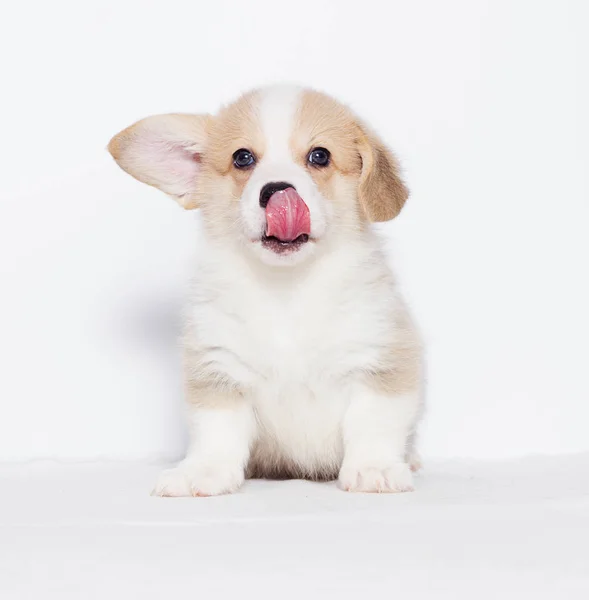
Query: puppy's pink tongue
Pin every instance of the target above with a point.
(287, 216)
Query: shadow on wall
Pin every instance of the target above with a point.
(148, 329)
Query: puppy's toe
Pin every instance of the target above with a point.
(203, 480)
(389, 479)
(414, 461)
(173, 482)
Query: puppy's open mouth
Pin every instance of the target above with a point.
(288, 222)
(280, 246)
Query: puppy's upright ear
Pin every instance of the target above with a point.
(164, 151)
(382, 193)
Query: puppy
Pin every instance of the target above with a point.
(301, 360)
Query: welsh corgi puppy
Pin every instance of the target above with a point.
(301, 359)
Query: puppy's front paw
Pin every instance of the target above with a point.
(193, 480)
(392, 478)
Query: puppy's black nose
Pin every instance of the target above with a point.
(270, 188)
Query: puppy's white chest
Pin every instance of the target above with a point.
(293, 354)
(304, 341)
(307, 337)
(293, 357)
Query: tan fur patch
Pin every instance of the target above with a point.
(382, 193)
(322, 122)
(204, 385)
(401, 366)
(358, 157)
(236, 126)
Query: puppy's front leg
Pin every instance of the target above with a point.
(376, 429)
(222, 429)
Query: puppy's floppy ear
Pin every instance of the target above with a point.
(381, 192)
(164, 151)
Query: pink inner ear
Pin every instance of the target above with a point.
(172, 164)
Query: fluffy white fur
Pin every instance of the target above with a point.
(291, 343)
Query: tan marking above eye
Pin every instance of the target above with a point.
(235, 127)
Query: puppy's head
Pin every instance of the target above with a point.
(280, 172)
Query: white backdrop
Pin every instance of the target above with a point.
(484, 102)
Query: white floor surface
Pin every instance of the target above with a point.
(472, 530)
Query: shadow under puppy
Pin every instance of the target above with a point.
(301, 359)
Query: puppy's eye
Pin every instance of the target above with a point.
(243, 158)
(319, 157)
